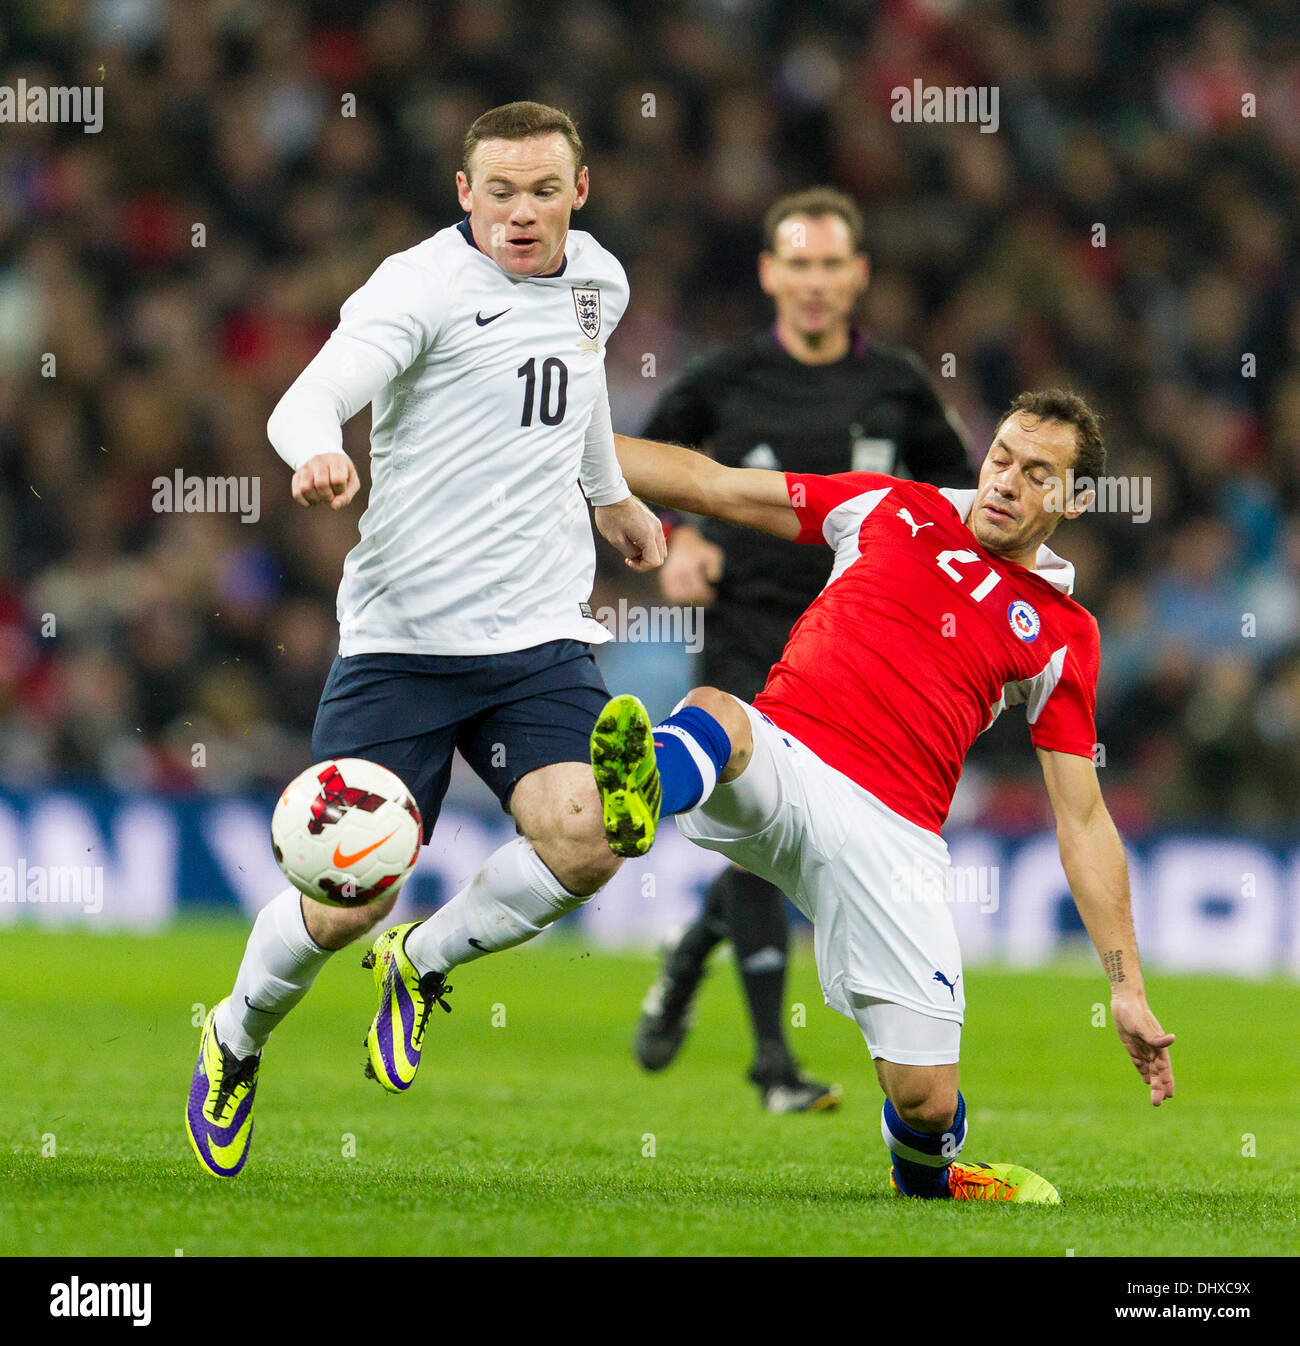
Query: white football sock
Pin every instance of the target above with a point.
(280, 963)
(511, 899)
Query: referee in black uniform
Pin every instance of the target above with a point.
(812, 393)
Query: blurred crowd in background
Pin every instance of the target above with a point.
(129, 635)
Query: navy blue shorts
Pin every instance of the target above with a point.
(507, 713)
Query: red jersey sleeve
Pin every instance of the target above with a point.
(814, 497)
(1067, 720)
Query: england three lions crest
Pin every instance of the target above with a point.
(586, 304)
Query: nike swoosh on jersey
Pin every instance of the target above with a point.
(483, 322)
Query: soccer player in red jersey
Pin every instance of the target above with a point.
(943, 608)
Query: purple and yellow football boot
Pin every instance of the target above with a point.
(405, 998)
(219, 1115)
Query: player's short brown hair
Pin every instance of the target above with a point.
(521, 121)
(817, 202)
(1058, 404)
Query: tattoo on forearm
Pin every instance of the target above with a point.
(1113, 962)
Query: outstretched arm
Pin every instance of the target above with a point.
(682, 479)
(1093, 858)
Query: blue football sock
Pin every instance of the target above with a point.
(691, 747)
(921, 1160)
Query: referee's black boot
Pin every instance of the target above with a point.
(783, 1088)
(666, 1011)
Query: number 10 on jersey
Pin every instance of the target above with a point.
(555, 390)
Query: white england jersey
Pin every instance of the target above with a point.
(490, 420)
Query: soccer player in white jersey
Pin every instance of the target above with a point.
(943, 608)
(463, 617)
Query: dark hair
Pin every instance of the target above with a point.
(817, 202)
(1058, 404)
(521, 121)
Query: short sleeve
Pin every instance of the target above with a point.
(816, 498)
(1066, 722)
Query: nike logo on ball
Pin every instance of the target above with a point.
(483, 322)
(343, 861)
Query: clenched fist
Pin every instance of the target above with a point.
(634, 531)
(328, 478)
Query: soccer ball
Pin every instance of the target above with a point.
(346, 832)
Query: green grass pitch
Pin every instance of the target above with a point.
(536, 1133)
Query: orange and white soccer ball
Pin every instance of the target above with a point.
(346, 832)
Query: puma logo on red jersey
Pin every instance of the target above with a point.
(906, 515)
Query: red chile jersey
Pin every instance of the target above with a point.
(919, 640)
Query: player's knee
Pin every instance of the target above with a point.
(926, 1109)
(572, 844)
(731, 715)
(721, 705)
(925, 1097)
(575, 823)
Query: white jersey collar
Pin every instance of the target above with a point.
(1056, 570)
